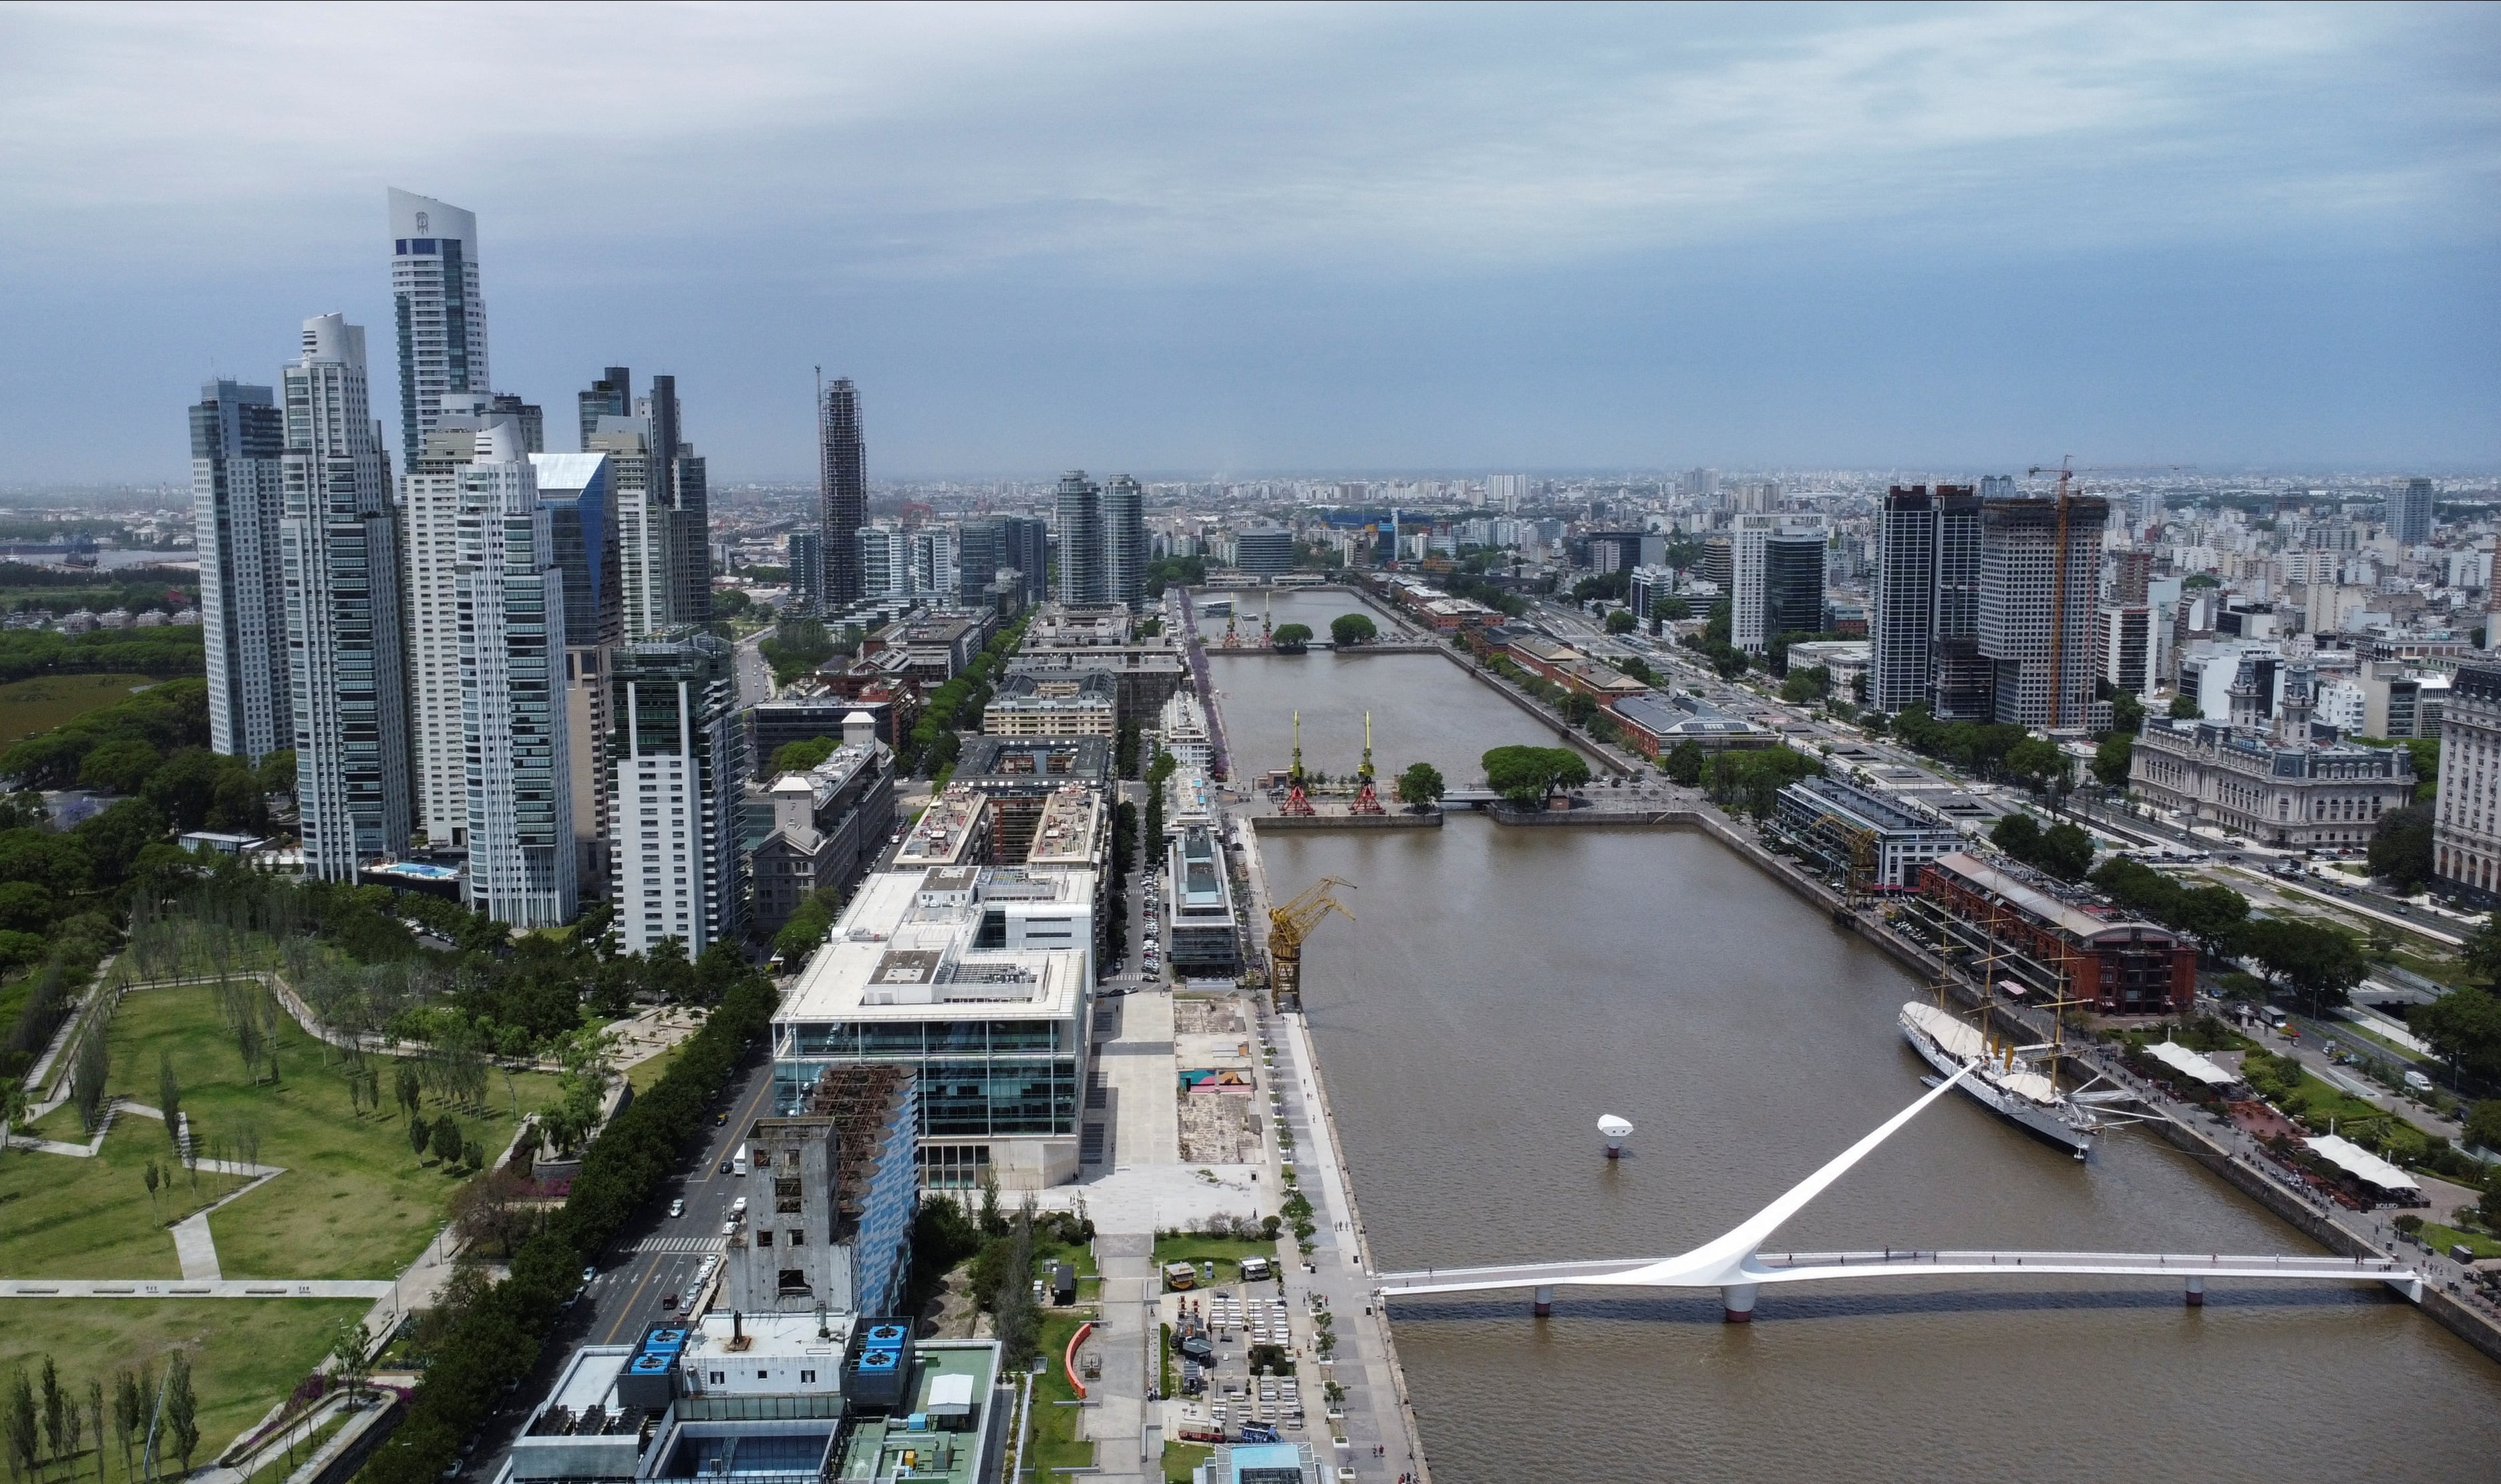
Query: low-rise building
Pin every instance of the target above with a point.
(819, 829)
(1201, 931)
(1085, 704)
(1019, 775)
(2057, 940)
(2294, 785)
(1182, 731)
(1655, 724)
(978, 979)
(954, 830)
(1852, 832)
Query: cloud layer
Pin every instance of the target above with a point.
(1155, 233)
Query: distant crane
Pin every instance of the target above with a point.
(2066, 473)
(1298, 798)
(1288, 927)
(1367, 800)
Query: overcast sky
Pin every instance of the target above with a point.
(1210, 240)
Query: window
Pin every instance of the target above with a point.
(763, 1238)
(718, 1378)
(807, 1378)
(797, 1237)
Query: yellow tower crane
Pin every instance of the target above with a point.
(1287, 926)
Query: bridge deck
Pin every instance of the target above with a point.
(1811, 1267)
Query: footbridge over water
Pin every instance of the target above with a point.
(1734, 1263)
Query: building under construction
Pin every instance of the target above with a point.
(1859, 836)
(830, 1206)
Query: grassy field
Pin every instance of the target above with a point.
(2442, 1238)
(1226, 1252)
(1054, 1443)
(643, 1075)
(354, 1203)
(1180, 1460)
(39, 705)
(246, 1353)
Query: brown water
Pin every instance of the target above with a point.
(1504, 987)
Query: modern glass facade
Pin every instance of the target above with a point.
(979, 1078)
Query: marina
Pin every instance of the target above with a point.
(1504, 987)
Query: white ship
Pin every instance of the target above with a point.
(2004, 1080)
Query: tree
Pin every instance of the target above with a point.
(129, 1411)
(2401, 852)
(276, 772)
(2216, 916)
(2315, 961)
(1685, 764)
(2464, 1026)
(1806, 685)
(2019, 835)
(419, 1135)
(1290, 638)
(1348, 630)
(350, 1344)
(2112, 757)
(55, 1414)
(802, 755)
(446, 1140)
(2035, 762)
(2483, 1124)
(2184, 708)
(1527, 777)
(121, 767)
(169, 1098)
(24, 1446)
(182, 1411)
(1621, 622)
(2066, 852)
(1420, 785)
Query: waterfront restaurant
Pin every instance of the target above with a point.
(2075, 950)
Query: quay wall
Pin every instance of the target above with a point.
(1431, 821)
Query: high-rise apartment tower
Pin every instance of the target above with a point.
(843, 474)
(1125, 549)
(441, 313)
(2412, 513)
(238, 496)
(2039, 569)
(1083, 579)
(678, 759)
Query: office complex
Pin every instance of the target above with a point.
(2410, 514)
(1924, 623)
(1084, 580)
(1793, 582)
(680, 771)
(1264, 553)
(842, 476)
(523, 868)
(1125, 551)
(581, 534)
(442, 316)
(2040, 576)
(826, 824)
(1024, 544)
(611, 396)
(339, 560)
(804, 555)
(238, 496)
(637, 482)
(684, 495)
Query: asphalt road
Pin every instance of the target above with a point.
(655, 1257)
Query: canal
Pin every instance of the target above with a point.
(1503, 987)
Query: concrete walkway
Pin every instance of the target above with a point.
(1123, 1337)
(187, 1288)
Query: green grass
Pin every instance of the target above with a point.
(644, 1073)
(1226, 1252)
(246, 1353)
(2442, 1238)
(1181, 1459)
(355, 1203)
(275, 1470)
(1054, 1442)
(39, 705)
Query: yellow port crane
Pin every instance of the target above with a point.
(1287, 926)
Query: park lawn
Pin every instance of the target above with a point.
(1054, 1443)
(354, 1203)
(2442, 1238)
(246, 1354)
(1226, 1252)
(644, 1073)
(1182, 1460)
(44, 702)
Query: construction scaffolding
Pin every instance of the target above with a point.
(867, 1104)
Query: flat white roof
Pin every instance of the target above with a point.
(2361, 1162)
(903, 949)
(2189, 1064)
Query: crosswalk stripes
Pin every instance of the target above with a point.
(666, 1244)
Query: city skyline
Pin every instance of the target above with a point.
(1604, 240)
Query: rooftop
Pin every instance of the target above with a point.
(2024, 896)
(996, 940)
(947, 832)
(1071, 831)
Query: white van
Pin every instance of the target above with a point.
(738, 1161)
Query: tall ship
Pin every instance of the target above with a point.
(2005, 1079)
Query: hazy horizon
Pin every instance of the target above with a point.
(1326, 239)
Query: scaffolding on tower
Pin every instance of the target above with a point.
(1298, 798)
(1367, 800)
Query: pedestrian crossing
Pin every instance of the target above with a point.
(650, 1245)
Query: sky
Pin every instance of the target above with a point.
(1209, 241)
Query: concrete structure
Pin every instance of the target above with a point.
(2293, 786)
(1734, 1263)
(441, 313)
(1926, 613)
(1125, 549)
(2123, 647)
(1201, 933)
(2466, 816)
(338, 550)
(2057, 940)
(515, 727)
(1182, 729)
(843, 474)
(1017, 777)
(823, 827)
(237, 498)
(1265, 553)
(679, 773)
(954, 830)
(429, 528)
(611, 396)
(829, 1222)
(1082, 577)
(582, 533)
(2040, 581)
(638, 483)
(770, 1399)
(1082, 704)
(2410, 514)
(980, 979)
(1854, 832)
(1793, 582)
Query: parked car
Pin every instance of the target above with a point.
(589, 1274)
(729, 1229)
(678, 1207)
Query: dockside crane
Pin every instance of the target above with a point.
(1289, 926)
(1298, 798)
(1367, 798)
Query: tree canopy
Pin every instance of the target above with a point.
(802, 755)
(1290, 637)
(1420, 784)
(1621, 622)
(2312, 959)
(1528, 775)
(1348, 630)
(2401, 852)
(2464, 1026)
(2063, 850)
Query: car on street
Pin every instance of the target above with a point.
(738, 1207)
(729, 1229)
(724, 1167)
(678, 1207)
(589, 1274)
(669, 1301)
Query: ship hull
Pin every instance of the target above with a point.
(2040, 1122)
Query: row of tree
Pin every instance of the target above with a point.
(51, 1422)
(933, 744)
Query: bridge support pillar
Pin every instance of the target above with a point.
(2197, 1293)
(1545, 1306)
(1737, 1304)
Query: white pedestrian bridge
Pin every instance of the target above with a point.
(1734, 1263)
